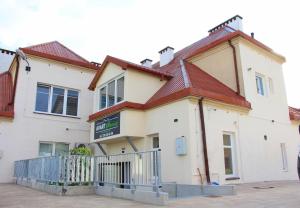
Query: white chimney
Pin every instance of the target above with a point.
(234, 22)
(147, 63)
(166, 55)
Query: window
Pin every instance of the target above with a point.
(42, 98)
(155, 141)
(229, 155)
(260, 85)
(120, 89)
(283, 156)
(111, 93)
(56, 100)
(47, 149)
(103, 98)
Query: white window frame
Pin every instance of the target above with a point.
(53, 147)
(284, 157)
(115, 92)
(262, 77)
(233, 154)
(50, 100)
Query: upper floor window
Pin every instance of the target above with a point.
(260, 84)
(111, 93)
(56, 100)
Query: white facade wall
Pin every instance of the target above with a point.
(20, 137)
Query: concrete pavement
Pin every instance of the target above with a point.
(283, 194)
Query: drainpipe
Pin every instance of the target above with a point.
(238, 91)
(204, 141)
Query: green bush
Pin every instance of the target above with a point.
(81, 151)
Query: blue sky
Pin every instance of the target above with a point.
(134, 30)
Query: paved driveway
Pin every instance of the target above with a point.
(284, 194)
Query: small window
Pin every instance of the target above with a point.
(61, 149)
(260, 85)
(48, 149)
(42, 98)
(284, 157)
(45, 149)
(111, 93)
(120, 89)
(155, 141)
(72, 103)
(229, 155)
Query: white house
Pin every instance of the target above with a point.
(44, 108)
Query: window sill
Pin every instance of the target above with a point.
(51, 114)
(232, 178)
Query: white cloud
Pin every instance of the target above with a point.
(134, 30)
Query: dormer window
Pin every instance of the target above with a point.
(111, 93)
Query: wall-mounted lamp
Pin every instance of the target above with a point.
(24, 57)
(249, 69)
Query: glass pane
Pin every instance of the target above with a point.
(111, 93)
(72, 103)
(45, 149)
(259, 85)
(228, 161)
(61, 149)
(226, 140)
(42, 98)
(102, 97)
(57, 100)
(120, 89)
(155, 142)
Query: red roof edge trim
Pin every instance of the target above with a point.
(125, 65)
(220, 97)
(115, 109)
(61, 59)
(233, 35)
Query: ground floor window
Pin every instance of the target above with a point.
(229, 154)
(284, 157)
(53, 148)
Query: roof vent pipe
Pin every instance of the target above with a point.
(147, 63)
(252, 35)
(166, 55)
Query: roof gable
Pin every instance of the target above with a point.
(125, 65)
(57, 51)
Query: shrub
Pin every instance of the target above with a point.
(81, 151)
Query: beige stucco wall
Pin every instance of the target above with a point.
(138, 87)
(219, 63)
(19, 138)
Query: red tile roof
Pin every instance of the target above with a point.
(191, 80)
(125, 65)
(6, 94)
(294, 114)
(58, 52)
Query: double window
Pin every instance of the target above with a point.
(229, 154)
(56, 100)
(111, 93)
(47, 149)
